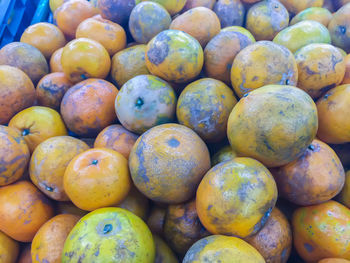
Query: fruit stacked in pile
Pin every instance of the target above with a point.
(169, 131)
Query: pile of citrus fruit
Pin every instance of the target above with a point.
(177, 131)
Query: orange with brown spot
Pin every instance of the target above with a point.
(88, 107)
(25, 256)
(97, 178)
(315, 177)
(24, 209)
(55, 61)
(37, 124)
(51, 88)
(274, 240)
(199, 22)
(182, 227)
(49, 162)
(111, 35)
(14, 155)
(47, 245)
(17, 92)
(346, 79)
(117, 138)
(71, 13)
(44, 36)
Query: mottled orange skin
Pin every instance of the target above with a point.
(315, 177)
(346, 79)
(167, 163)
(273, 124)
(25, 57)
(334, 260)
(204, 106)
(124, 7)
(230, 12)
(220, 52)
(197, 3)
(128, 63)
(320, 68)
(37, 124)
(48, 242)
(69, 208)
(339, 28)
(199, 22)
(51, 88)
(319, 14)
(55, 61)
(322, 231)
(97, 178)
(156, 219)
(344, 196)
(334, 114)
(222, 155)
(295, 6)
(25, 256)
(89, 121)
(182, 227)
(44, 36)
(274, 240)
(136, 203)
(71, 13)
(220, 248)
(174, 56)
(266, 18)
(111, 35)
(236, 197)
(24, 210)
(17, 92)
(9, 249)
(14, 155)
(49, 162)
(117, 138)
(163, 253)
(85, 58)
(263, 63)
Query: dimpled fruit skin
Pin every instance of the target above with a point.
(219, 248)
(110, 235)
(273, 124)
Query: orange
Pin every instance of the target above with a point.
(49, 162)
(274, 240)
(47, 245)
(24, 209)
(167, 163)
(236, 197)
(182, 227)
(111, 35)
(296, 6)
(147, 20)
(273, 124)
(199, 22)
(163, 252)
(71, 13)
(37, 124)
(44, 36)
(136, 203)
(69, 208)
(344, 196)
(334, 260)
(230, 12)
(156, 218)
(117, 138)
(222, 155)
(26, 58)
(315, 177)
(97, 178)
(25, 256)
(218, 248)
(333, 115)
(346, 79)
(17, 92)
(84, 58)
(339, 28)
(55, 61)
(51, 88)
(128, 63)
(88, 107)
(172, 6)
(14, 155)
(196, 3)
(9, 249)
(322, 231)
(124, 7)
